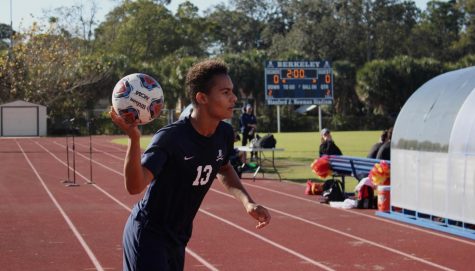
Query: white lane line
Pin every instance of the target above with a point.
(110, 146)
(365, 215)
(102, 152)
(349, 235)
(73, 228)
(201, 260)
(94, 161)
(191, 252)
(288, 250)
(86, 179)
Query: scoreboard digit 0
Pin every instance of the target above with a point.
(298, 82)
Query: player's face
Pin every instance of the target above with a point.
(221, 98)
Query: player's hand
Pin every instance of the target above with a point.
(130, 129)
(259, 213)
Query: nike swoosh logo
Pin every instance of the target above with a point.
(188, 158)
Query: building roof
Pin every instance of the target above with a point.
(20, 103)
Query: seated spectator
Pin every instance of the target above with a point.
(327, 145)
(375, 148)
(384, 151)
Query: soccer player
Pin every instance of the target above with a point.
(179, 167)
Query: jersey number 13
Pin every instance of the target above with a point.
(202, 175)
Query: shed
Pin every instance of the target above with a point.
(20, 118)
(433, 153)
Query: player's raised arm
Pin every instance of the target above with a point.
(136, 177)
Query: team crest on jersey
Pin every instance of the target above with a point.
(148, 82)
(220, 155)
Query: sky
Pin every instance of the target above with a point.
(22, 10)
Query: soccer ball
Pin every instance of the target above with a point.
(137, 96)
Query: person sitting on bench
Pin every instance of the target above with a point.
(327, 145)
(373, 152)
(384, 152)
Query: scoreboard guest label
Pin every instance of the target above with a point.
(298, 82)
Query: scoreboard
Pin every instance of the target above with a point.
(298, 82)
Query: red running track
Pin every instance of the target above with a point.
(46, 225)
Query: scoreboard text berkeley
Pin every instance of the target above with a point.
(298, 82)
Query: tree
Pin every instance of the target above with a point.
(439, 31)
(6, 32)
(466, 44)
(172, 72)
(346, 101)
(142, 31)
(233, 31)
(247, 71)
(311, 33)
(192, 31)
(78, 20)
(390, 23)
(47, 67)
(385, 85)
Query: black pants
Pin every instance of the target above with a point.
(246, 137)
(145, 249)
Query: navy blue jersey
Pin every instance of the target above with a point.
(184, 164)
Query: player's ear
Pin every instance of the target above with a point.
(201, 97)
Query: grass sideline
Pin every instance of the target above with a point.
(301, 150)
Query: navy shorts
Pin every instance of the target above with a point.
(147, 249)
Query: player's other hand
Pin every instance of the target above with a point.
(130, 129)
(259, 213)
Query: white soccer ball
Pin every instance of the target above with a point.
(137, 96)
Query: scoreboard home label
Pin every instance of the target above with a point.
(298, 82)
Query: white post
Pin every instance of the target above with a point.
(319, 118)
(278, 118)
(11, 28)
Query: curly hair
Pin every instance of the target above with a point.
(200, 76)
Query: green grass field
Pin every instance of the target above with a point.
(301, 149)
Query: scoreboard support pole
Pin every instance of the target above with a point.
(278, 118)
(319, 118)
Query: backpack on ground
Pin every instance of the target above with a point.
(332, 191)
(365, 198)
(267, 141)
(313, 188)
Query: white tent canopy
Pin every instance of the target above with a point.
(433, 149)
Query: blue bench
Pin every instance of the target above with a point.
(357, 167)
